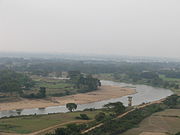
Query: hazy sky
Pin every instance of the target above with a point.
(123, 27)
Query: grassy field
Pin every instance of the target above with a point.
(54, 87)
(167, 122)
(29, 124)
(104, 76)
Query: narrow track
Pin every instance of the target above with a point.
(83, 121)
(124, 114)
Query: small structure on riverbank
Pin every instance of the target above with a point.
(129, 101)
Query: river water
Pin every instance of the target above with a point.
(144, 94)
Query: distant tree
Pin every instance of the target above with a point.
(172, 100)
(71, 106)
(87, 82)
(42, 92)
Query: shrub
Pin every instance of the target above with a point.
(84, 116)
(100, 116)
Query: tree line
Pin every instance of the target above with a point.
(11, 81)
(84, 82)
(145, 77)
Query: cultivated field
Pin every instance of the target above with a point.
(161, 123)
(30, 124)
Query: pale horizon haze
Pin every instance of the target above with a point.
(108, 27)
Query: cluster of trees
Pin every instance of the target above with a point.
(84, 82)
(173, 101)
(146, 77)
(116, 108)
(71, 129)
(40, 94)
(11, 81)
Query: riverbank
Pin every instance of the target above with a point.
(104, 93)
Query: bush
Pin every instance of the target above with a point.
(84, 117)
(100, 116)
(40, 94)
(90, 109)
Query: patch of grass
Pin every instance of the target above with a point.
(54, 87)
(104, 76)
(29, 124)
(169, 79)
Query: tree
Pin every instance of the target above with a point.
(71, 106)
(87, 82)
(42, 92)
(117, 107)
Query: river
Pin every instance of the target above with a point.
(143, 93)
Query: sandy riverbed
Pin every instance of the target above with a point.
(104, 93)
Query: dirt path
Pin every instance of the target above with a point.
(124, 114)
(83, 121)
(50, 128)
(152, 133)
(56, 126)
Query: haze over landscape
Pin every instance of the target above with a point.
(127, 27)
(89, 67)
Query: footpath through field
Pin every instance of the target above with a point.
(124, 114)
(83, 121)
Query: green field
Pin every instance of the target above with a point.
(29, 124)
(54, 87)
(104, 76)
(167, 121)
